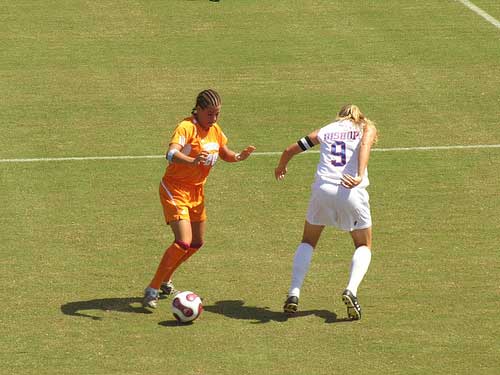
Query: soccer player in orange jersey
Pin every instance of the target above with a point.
(196, 144)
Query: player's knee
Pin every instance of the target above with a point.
(182, 244)
(362, 237)
(196, 245)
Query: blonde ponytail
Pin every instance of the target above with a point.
(353, 113)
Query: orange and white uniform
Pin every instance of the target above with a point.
(181, 188)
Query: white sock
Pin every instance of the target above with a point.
(301, 263)
(359, 265)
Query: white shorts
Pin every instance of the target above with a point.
(335, 205)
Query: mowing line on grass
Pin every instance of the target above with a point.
(481, 13)
(125, 157)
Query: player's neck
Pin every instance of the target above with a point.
(199, 125)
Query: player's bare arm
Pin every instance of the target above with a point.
(301, 145)
(369, 136)
(230, 156)
(175, 156)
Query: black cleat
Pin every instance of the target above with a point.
(353, 307)
(167, 289)
(291, 305)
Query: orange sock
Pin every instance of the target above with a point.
(189, 252)
(169, 262)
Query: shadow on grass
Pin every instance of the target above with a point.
(236, 309)
(106, 304)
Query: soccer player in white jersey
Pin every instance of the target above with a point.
(338, 198)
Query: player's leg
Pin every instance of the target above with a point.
(175, 201)
(183, 234)
(198, 234)
(361, 258)
(195, 206)
(301, 263)
(170, 260)
(198, 229)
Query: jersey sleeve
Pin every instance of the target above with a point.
(181, 135)
(321, 135)
(222, 139)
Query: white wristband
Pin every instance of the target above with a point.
(237, 157)
(171, 153)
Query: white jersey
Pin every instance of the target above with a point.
(339, 153)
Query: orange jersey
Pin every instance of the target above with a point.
(194, 139)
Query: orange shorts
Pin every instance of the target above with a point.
(182, 202)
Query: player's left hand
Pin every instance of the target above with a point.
(246, 153)
(349, 181)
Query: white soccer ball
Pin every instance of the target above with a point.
(186, 306)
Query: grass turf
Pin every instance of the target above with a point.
(80, 239)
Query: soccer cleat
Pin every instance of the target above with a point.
(167, 289)
(150, 298)
(291, 305)
(353, 307)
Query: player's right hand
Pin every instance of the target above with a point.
(201, 158)
(280, 172)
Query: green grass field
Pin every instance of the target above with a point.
(80, 239)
